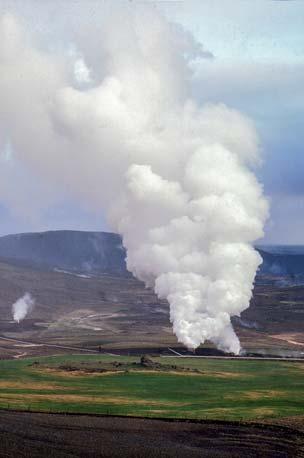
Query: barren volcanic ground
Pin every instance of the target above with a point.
(72, 309)
(87, 436)
(118, 312)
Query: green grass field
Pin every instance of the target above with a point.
(230, 390)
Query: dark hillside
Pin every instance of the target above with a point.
(76, 251)
(282, 263)
(102, 252)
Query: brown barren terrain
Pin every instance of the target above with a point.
(43, 435)
(119, 314)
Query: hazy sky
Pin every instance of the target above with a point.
(257, 68)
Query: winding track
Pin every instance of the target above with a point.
(176, 354)
(42, 344)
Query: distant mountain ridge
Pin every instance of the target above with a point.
(75, 251)
(282, 264)
(102, 252)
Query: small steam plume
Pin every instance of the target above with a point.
(174, 178)
(22, 307)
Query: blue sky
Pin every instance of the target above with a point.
(243, 30)
(258, 68)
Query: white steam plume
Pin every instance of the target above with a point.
(174, 178)
(22, 307)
